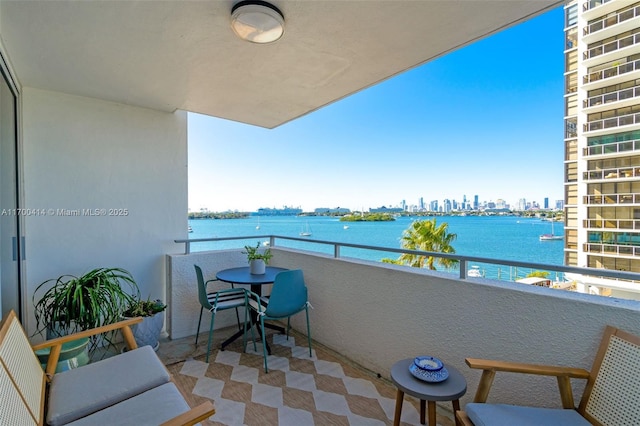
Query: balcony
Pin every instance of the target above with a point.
(615, 250)
(611, 72)
(612, 123)
(612, 199)
(616, 148)
(375, 314)
(602, 52)
(600, 26)
(612, 224)
(608, 174)
(602, 102)
(591, 4)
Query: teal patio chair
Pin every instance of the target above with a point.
(288, 297)
(217, 301)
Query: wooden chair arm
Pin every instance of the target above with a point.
(463, 419)
(519, 367)
(56, 344)
(193, 416)
(562, 374)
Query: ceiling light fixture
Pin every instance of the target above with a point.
(257, 21)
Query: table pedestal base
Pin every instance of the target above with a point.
(239, 333)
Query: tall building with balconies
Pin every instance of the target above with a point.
(602, 134)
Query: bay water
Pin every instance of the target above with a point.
(496, 237)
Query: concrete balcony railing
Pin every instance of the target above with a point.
(616, 173)
(612, 46)
(611, 20)
(610, 123)
(376, 314)
(612, 148)
(613, 249)
(614, 71)
(613, 224)
(612, 97)
(625, 198)
(588, 5)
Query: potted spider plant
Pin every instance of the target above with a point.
(68, 304)
(148, 331)
(257, 259)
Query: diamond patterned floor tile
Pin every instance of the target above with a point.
(297, 391)
(245, 374)
(230, 413)
(300, 381)
(194, 368)
(294, 417)
(331, 402)
(267, 395)
(360, 387)
(333, 369)
(209, 388)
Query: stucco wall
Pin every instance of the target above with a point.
(82, 153)
(377, 314)
(182, 290)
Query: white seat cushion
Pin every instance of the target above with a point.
(152, 407)
(226, 300)
(512, 415)
(81, 391)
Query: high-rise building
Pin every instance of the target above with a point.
(546, 203)
(602, 134)
(475, 202)
(522, 204)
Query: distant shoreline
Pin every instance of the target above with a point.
(558, 216)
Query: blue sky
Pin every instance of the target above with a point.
(486, 119)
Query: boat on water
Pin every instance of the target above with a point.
(190, 229)
(536, 281)
(306, 231)
(551, 236)
(474, 272)
(345, 227)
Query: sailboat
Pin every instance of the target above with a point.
(306, 230)
(551, 236)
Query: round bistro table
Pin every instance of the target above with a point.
(243, 275)
(450, 389)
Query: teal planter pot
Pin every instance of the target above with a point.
(73, 355)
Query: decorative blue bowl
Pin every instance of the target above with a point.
(428, 369)
(428, 363)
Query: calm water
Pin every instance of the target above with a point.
(509, 238)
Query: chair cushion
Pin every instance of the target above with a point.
(81, 391)
(152, 407)
(510, 415)
(226, 300)
(264, 301)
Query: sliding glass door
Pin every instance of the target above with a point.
(11, 246)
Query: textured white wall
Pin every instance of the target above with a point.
(377, 314)
(82, 153)
(182, 290)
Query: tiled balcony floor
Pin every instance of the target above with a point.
(299, 390)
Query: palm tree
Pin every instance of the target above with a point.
(427, 235)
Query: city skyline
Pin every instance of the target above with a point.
(406, 205)
(430, 132)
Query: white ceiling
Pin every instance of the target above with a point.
(170, 55)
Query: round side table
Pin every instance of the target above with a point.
(449, 390)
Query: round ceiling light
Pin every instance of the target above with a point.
(257, 21)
